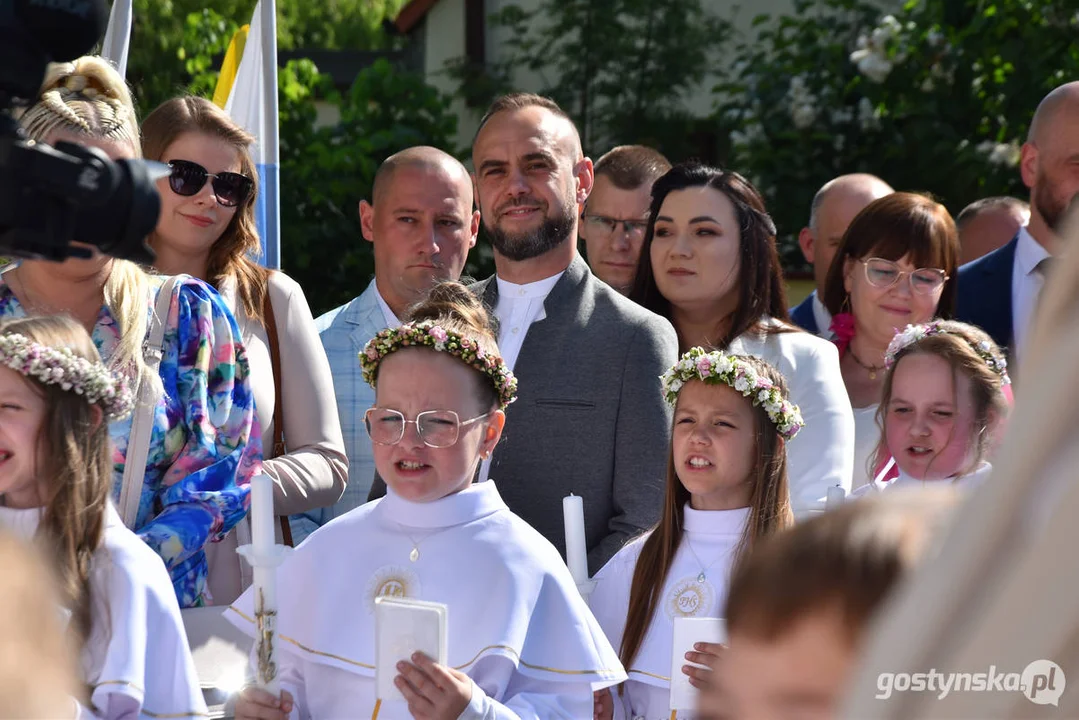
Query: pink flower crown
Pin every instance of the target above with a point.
(62, 367)
(913, 333)
(716, 367)
(427, 334)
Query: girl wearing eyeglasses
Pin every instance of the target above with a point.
(203, 445)
(207, 230)
(521, 643)
(709, 264)
(896, 266)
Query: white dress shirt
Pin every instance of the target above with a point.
(391, 318)
(822, 317)
(518, 307)
(1026, 286)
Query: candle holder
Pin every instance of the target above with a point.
(264, 563)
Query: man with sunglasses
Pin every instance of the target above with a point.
(421, 224)
(615, 215)
(999, 292)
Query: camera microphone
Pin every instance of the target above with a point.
(63, 29)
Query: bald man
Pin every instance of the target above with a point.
(999, 291)
(590, 419)
(421, 224)
(833, 208)
(988, 224)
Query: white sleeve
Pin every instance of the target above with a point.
(822, 454)
(532, 699)
(117, 707)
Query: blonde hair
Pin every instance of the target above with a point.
(88, 97)
(37, 667)
(231, 254)
(77, 469)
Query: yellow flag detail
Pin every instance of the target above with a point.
(230, 66)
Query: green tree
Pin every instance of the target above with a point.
(937, 97)
(621, 68)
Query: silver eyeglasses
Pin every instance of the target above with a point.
(881, 273)
(436, 428)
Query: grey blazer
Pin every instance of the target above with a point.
(590, 418)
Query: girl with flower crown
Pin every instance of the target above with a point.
(56, 402)
(895, 266)
(521, 642)
(726, 489)
(944, 400)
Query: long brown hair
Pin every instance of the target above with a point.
(761, 290)
(77, 469)
(770, 511)
(232, 253)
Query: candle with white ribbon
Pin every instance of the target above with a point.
(576, 549)
(264, 555)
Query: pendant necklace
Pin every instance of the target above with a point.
(415, 554)
(872, 369)
(702, 576)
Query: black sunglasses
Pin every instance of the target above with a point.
(188, 178)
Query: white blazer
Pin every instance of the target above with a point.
(822, 454)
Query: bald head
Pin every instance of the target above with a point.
(1061, 104)
(425, 158)
(856, 188)
(834, 206)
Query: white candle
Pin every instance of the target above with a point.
(576, 549)
(836, 496)
(262, 524)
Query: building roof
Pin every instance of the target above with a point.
(411, 14)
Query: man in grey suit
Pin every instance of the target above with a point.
(590, 417)
(421, 224)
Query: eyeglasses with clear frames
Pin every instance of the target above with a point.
(607, 225)
(436, 428)
(881, 273)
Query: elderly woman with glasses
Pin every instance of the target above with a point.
(896, 266)
(207, 229)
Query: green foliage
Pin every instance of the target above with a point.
(326, 171)
(937, 98)
(173, 41)
(620, 68)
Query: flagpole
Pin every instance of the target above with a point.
(272, 156)
(118, 36)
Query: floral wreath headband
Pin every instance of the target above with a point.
(715, 368)
(913, 333)
(428, 334)
(62, 367)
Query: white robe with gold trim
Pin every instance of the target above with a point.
(516, 623)
(714, 536)
(136, 661)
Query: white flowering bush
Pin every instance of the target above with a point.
(936, 96)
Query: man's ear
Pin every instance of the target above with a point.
(586, 178)
(367, 220)
(806, 241)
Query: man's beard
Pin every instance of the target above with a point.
(1052, 210)
(532, 243)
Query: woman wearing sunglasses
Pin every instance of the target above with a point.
(207, 229)
(896, 266)
(203, 445)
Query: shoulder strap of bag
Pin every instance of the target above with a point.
(270, 322)
(142, 422)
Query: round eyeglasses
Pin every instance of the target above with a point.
(436, 428)
(881, 273)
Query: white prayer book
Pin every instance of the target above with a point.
(687, 632)
(404, 627)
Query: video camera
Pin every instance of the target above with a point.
(50, 196)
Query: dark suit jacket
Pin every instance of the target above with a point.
(985, 293)
(590, 418)
(802, 315)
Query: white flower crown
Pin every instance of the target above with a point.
(913, 333)
(715, 367)
(62, 367)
